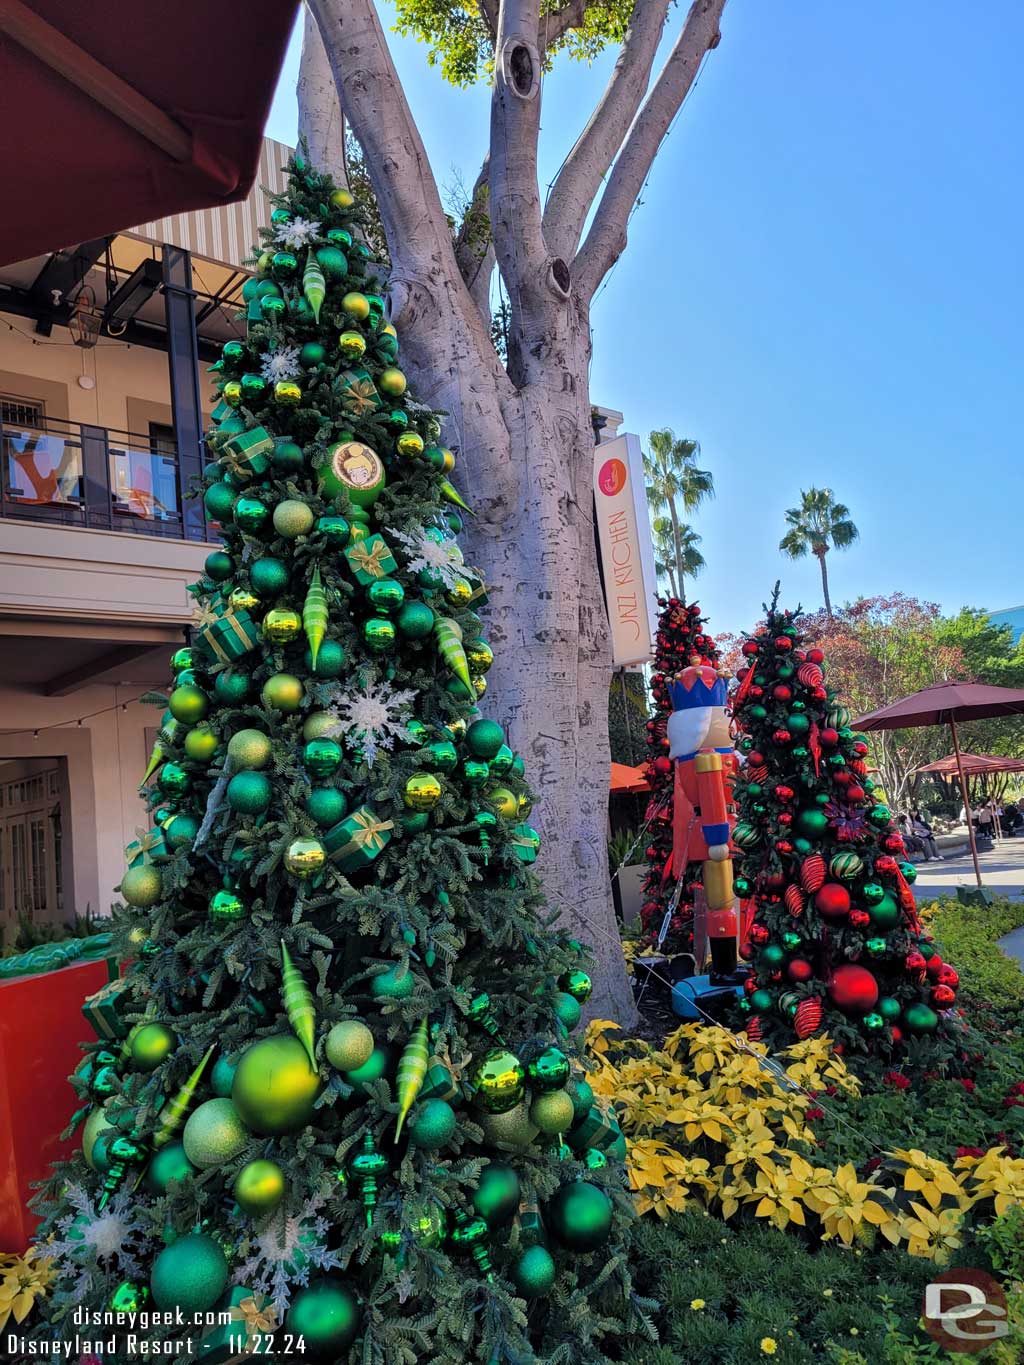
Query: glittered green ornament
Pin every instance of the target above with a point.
(218, 500)
(180, 831)
(249, 748)
(509, 1131)
(326, 1317)
(326, 806)
(321, 757)
(580, 1216)
(567, 1010)
(293, 518)
(275, 1087)
(214, 1134)
(394, 984)
(222, 1077)
(249, 793)
(433, 1125)
(552, 1112)
(772, 955)
(268, 576)
(533, 1272)
(190, 1274)
(349, 1045)
(169, 1163)
(332, 262)
(415, 620)
(231, 687)
(330, 660)
(142, 887)
(484, 738)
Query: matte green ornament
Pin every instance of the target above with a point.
(580, 1216)
(287, 457)
(415, 620)
(510, 1131)
(222, 1077)
(533, 1272)
(312, 354)
(231, 687)
(761, 1000)
(394, 984)
(201, 743)
(484, 738)
(259, 1186)
(151, 1045)
(349, 1045)
(433, 1125)
(885, 914)
(889, 1008)
(386, 595)
(268, 576)
(188, 704)
(227, 905)
(379, 634)
(330, 660)
(190, 1274)
(497, 1195)
(218, 500)
(332, 262)
(812, 823)
(772, 955)
(567, 1010)
(376, 1065)
(326, 806)
(170, 1163)
(321, 757)
(249, 793)
(920, 1019)
(180, 831)
(275, 1087)
(326, 1316)
(214, 1134)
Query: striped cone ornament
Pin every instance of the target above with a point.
(448, 634)
(754, 1030)
(172, 1115)
(812, 873)
(794, 898)
(298, 1004)
(412, 1067)
(314, 614)
(807, 1019)
(314, 286)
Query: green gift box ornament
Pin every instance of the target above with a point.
(525, 843)
(224, 631)
(358, 392)
(221, 411)
(596, 1130)
(370, 559)
(103, 1010)
(250, 1330)
(438, 1083)
(247, 453)
(354, 842)
(148, 846)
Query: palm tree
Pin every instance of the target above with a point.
(676, 552)
(676, 485)
(818, 525)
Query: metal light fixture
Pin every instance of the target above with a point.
(137, 290)
(86, 318)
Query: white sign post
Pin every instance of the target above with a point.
(627, 553)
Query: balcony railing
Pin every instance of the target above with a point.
(74, 474)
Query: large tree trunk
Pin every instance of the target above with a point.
(824, 581)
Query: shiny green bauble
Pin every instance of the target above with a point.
(475, 772)
(232, 393)
(885, 913)
(577, 984)
(497, 1081)
(415, 620)
(872, 892)
(253, 387)
(188, 704)
(173, 779)
(496, 1197)
(259, 1186)
(214, 1134)
(889, 1008)
(289, 395)
(325, 806)
(409, 444)
(169, 1163)
(267, 289)
(797, 724)
(504, 802)
(141, 887)
(386, 595)
(459, 593)
(321, 757)
(392, 984)
(484, 738)
(339, 237)
(356, 305)
(231, 687)
(580, 1216)
(533, 1272)
(222, 1077)
(440, 755)
(283, 692)
(275, 1087)
(351, 345)
(98, 1122)
(548, 1071)
(151, 1046)
(392, 381)
(379, 634)
(875, 946)
(180, 831)
(880, 816)
(332, 262)
(268, 576)
(386, 344)
(433, 1125)
(422, 792)
(349, 1045)
(567, 1009)
(479, 656)
(190, 1274)
(304, 858)
(518, 766)
(182, 658)
(334, 529)
(501, 763)
(909, 872)
(284, 264)
(376, 1065)
(201, 743)
(281, 625)
(920, 1019)
(293, 518)
(249, 749)
(510, 1131)
(553, 1112)
(812, 823)
(218, 566)
(326, 1316)
(249, 793)
(582, 1098)
(312, 354)
(250, 514)
(329, 661)
(233, 351)
(226, 906)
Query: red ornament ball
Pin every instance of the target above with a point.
(815, 656)
(885, 865)
(819, 693)
(860, 748)
(785, 817)
(781, 737)
(662, 766)
(916, 965)
(832, 902)
(750, 985)
(943, 997)
(854, 793)
(829, 737)
(897, 1034)
(784, 793)
(853, 989)
(859, 919)
(749, 648)
(759, 933)
(799, 970)
(893, 842)
(783, 846)
(781, 692)
(755, 758)
(949, 976)
(934, 967)
(783, 644)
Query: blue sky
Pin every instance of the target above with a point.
(823, 286)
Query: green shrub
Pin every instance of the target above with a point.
(966, 935)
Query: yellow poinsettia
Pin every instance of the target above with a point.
(778, 1195)
(751, 1146)
(664, 1182)
(994, 1176)
(925, 1176)
(699, 1118)
(932, 1233)
(23, 1279)
(846, 1203)
(597, 1040)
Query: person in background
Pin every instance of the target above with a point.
(911, 842)
(923, 831)
(985, 819)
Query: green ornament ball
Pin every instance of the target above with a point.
(885, 913)
(415, 620)
(385, 595)
(182, 659)
(880, 816)
(580, 1216)
(433, 1125)
(268, 576)
(275, 1087)
(533, 1272)
(484, 738)
(259, 1186)
(334, 529)
(98, 1122)
(249, 749)
(349, 1045)
(250, 514)
(283, 692)
(497, 1081)
(218, 500)
(548, 1071)
(214, 1133)
(332, 262)
(475, 772)
(180, 831)
(190, 1274)
(440, 755)
(321, 757)
(376, 1065)
(394, 984)
(761, 1000)
(567, 1009)
(577, 984)
(552, 1112)
(201, 743)
(312, 354)
(772, 955)
(222, 1077)
(326, 806)
(497, 1195)
(226, 906)
(330, 661)
(188, 704)
(920, 1019)
(169, 1163)
(142, 887)
(873, 892)
(151, 1046)
(379, 634)
(218, 566)
(889, 1008)
(326, 1315)
(510, 1131)
(292, 519)
(249, 793)
(231, 687)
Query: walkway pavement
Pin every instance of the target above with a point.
(1002, 871)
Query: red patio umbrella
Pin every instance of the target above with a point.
(627, 779)
(974, 765)
(117, 114)
(945, 704)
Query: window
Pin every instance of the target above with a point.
(38, 466)
(145, 476)
(161, 438)
(31, 847)
(22, 412)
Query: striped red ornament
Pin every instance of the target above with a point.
(807, 1019)
(794, 898)
(810, 675)
(754, 1030)
(759, 774)
(812, 873)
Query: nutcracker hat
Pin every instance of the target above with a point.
(696, 687)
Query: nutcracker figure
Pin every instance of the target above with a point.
(701, 748)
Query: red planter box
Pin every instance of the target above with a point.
(41, 1027)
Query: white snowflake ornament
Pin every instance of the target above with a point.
(298, 233)
(373, 718)
(283, 363)
(425, 551)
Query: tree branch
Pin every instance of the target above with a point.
(606, 239)
(554, 27)
(474, 249)
(321, 122)
(587, 164)
(489, 14)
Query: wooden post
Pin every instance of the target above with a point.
(967, 801)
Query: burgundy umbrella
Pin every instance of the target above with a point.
(974, 765)
(944, 704)
(117, 113)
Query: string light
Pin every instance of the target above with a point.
(77, 721)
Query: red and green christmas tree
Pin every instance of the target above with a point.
(836, 943)
(336, 1096)
(682, 639)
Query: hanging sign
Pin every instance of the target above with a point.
(627, 553)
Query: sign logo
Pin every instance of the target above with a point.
(612, 478)
(965, 1310)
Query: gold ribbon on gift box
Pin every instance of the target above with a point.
(368, 837)
(145, 841)
(205, 618)
(360, 396)
(256, 1314)
(367, 560)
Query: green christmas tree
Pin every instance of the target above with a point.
(836, 942)
(336, 1094)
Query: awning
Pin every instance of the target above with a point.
(626, 779)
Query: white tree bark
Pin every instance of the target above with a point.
(523, 436)
(321, 121)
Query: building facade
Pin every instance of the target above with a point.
(103, 397)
